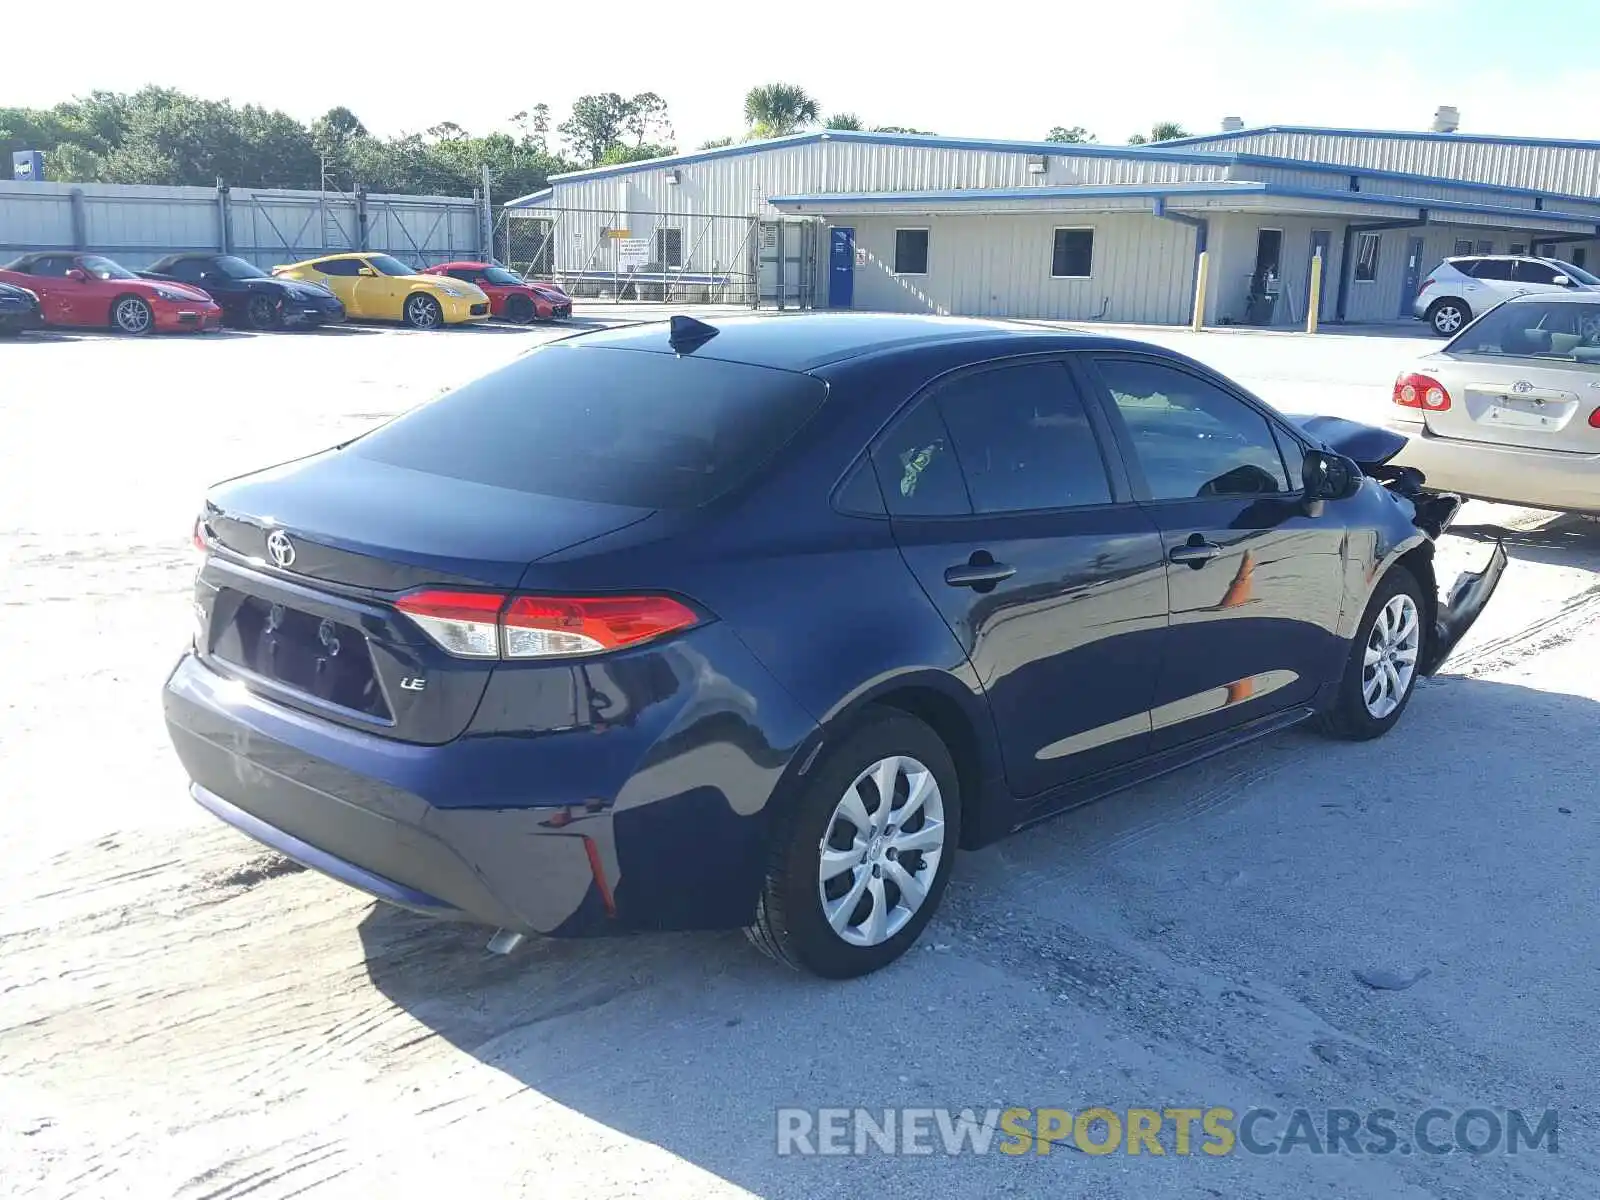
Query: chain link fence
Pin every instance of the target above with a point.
(671, 258)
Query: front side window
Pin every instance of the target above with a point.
(104, 268)
(1073, 254)
(235, 267)
(1023, 439)
(1528, 271)
(502, 276)
(187, 269)
(383, 264)
(463, 274)
(1367, 257)
(1574, 270)
(1193, 439)
(1534, 329)
(910, 251)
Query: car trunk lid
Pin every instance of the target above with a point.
(1524, 403)
(297, 596)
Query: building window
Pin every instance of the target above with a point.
(910, 251)
(1518, 248)
(1367, 258)
(1485, 247)
(1578, 257)
(1463, 246)
(1073, 254)
(669, 247)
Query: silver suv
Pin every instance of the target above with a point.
(1460, 289)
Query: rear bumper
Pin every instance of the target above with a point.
(654, 821)
(1509, 474)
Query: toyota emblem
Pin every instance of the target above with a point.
(1522, 386)
(281, 548)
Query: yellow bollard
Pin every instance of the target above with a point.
(1315, 303)
(1200, 290)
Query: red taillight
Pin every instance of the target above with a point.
(490, 625)
(1426, 284)
(1421, 391)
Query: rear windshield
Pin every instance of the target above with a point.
(606, 425)
(1534, 329)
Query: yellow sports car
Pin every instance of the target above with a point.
(376, 287)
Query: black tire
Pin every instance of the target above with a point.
(1449, 316)
(132, 315)
(422, 311)
(790, 924)
(263, 312)
(520, 310)
(1349, 717)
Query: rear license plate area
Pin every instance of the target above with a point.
(1519, 412)
(317, 656)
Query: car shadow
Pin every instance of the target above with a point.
(1564, 540)
(691, 1042)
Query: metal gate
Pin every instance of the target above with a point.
(666, 257)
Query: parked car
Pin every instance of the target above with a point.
(784, 612)
(19, 310)
(93, 291)
(511, 297)
(249, 297)
(1459, 289)
(1510, 409)
(379, 287)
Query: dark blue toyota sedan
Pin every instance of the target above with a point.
(757, 623)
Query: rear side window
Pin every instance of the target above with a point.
(1492, 268)
(605, 425)
(337, 266)
(917, 467)
(1465, 265)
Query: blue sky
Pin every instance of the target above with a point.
(999, 68)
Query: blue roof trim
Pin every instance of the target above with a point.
(1226, 188)
(1065, 149)
(1063, 192)
(1426, 135)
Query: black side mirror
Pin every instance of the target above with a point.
(1329, 476)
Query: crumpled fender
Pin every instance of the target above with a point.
(1467, 598)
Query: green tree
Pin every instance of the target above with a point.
(1076, 134)
(71, 162)
(716, 143)
(779, 109)
(844, 120)
(902, 129)
(1161, 131)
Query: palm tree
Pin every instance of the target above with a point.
(777, 109)
(844, 120)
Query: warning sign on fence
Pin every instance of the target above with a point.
(632, 253)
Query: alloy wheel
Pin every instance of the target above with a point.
(133, 315)
(1389, 665)
(880, 852)
(422, 312)
(1447, 319)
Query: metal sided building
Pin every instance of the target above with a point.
(1049, 230)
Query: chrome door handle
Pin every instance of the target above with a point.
(1194, 554)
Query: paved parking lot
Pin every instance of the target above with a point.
(183, 1016)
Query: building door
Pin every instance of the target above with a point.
(841, 267)
(1412, 280)
(1321, 243)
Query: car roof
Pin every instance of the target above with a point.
(464, 265)
(806, 341)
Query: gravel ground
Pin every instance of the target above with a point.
(183, 1015)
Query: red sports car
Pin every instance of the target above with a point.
(511, 297)
(91, 290)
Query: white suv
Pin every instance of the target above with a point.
(1460, 289)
